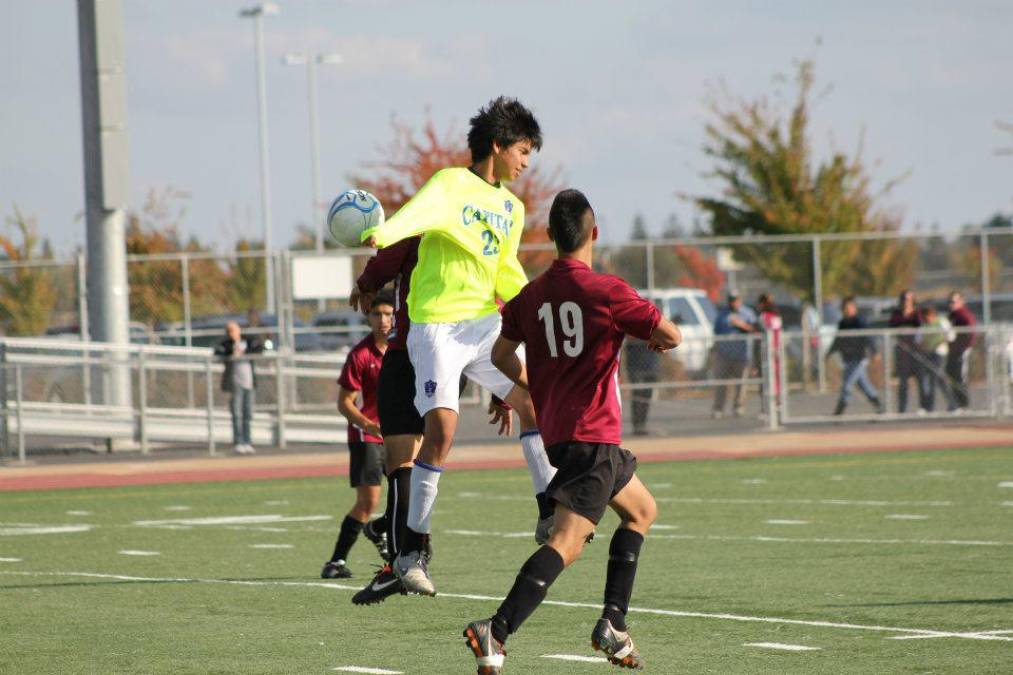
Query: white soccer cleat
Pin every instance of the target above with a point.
(412, 568)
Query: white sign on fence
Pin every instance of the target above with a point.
(321, 277)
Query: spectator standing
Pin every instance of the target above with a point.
(731, 356)
(642, 366)
(934, 340)
(240, 380)
(855, 351)
(960, 349)
(906, 355)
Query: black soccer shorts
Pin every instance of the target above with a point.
(396, 395)
(365, 463)
(588, 476)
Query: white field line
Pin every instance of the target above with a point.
(782, 647)
(51, 529)
(139, 553)
(268, 546)
(177, 507)
(10, 559)
(832, 540)
(753, 481)
(79, 513)
(558, 603)
(820, 502)
(765, 539)
(1006, 484)
(363, 669)
(905, 516)
(1007, 503)
(934, 637)
(776, 521)
(575, 657)
(231, 520)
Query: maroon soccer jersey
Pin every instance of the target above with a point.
(361, 372)
(393, 263)
(572, 322)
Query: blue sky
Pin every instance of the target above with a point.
(618, 87)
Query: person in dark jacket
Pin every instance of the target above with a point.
(855, 351)
(960, 349)
(906, 352)
(240, 380)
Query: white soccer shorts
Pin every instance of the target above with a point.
(441, 352)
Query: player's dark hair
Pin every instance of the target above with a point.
(567, 225)
(384, 297)
(504, 121)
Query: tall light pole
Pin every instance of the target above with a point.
(257, 13)
(311, 80)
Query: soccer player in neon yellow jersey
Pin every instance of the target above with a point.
(471, 226)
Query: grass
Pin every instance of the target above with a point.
(882, 546)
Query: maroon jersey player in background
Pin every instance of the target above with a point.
(572, 322)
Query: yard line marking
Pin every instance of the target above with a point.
(575, 657)
(830, 540)
(659, 485)
(753, 481)
(905, 516)
(271, 546)
(823, 502)
(937, 473)
(276, 502)
(656, 526)
(490, 533)
(934, 637)
(231, 520)
(557, 603)
(177, 507)
(363, 669)
(42, 529)
(140, 553)
(1006, 484)
(10, 559)
(79, 513)
(1007, 503)
(783, 647)
(788, 522)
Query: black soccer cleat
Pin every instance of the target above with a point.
(488, 651)
(335, 569)
(379, 540)
(384, 584)
(617, 645)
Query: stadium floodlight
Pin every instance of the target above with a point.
(257, 13)
(311, 62)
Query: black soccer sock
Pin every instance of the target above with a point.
(378, 525)
(528, 591)
(413, 541)
(399, 487)
(350, 529)
(545, 507)
(624, 550)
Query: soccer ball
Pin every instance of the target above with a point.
(352, 213)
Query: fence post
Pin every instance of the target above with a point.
(279, 426)
(782, 367)
(82, 320)
(986, 283)
(184, 270)
(649, 261)
(210, 390)
(20, 403)
(887, 371)
(4, 426)
(142, 394)
(770, 375)
(818, 302)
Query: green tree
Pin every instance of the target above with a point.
(27, 294)
(247, 278)
(772, 184)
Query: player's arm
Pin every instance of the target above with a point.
(347, 407)
(510, 275)
(666, 335)
(380, 270)
(504, 356)
(422, 213)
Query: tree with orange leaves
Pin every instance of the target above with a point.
(412, 158)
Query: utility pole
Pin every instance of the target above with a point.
(257, 13)
(106, 185)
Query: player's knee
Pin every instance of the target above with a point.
(643, 515)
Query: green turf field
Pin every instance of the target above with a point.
(886, 563)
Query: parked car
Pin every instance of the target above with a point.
(340, 328)
(694, 313)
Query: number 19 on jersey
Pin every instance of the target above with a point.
(571, 323)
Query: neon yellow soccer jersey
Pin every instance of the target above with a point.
(468, 256)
